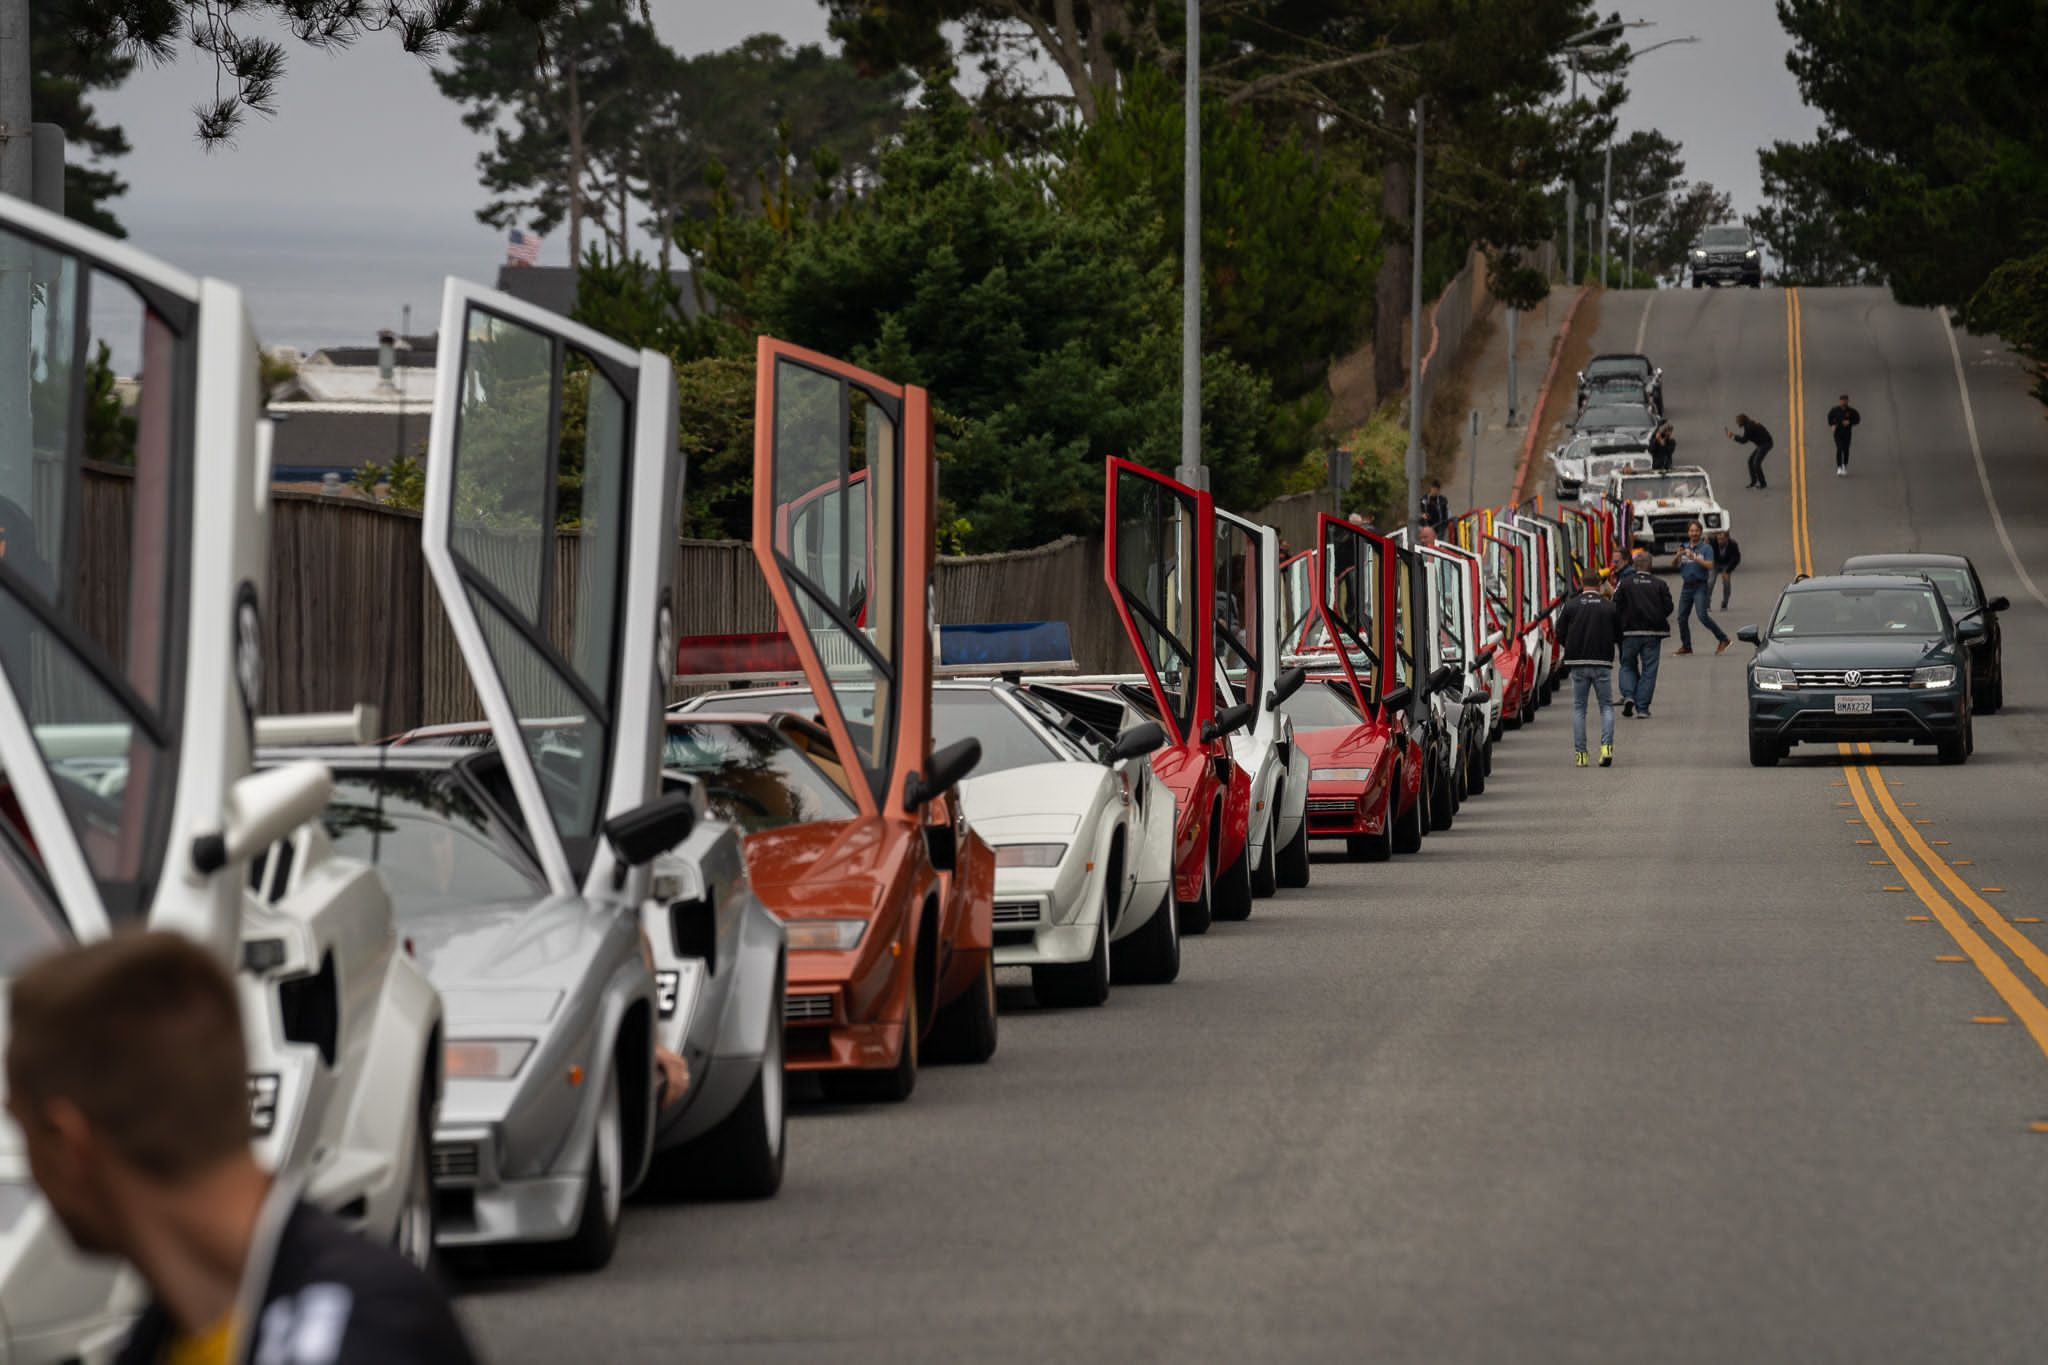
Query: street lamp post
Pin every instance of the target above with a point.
(1191, 470)
(1607, 180)
(1634, 221)
(1414, 461)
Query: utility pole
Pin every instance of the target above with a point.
(1415, 350)
(1192, 472)
(17, 177)
(1606, 207)
(17, 145)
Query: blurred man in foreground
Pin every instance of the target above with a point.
(127, 1075)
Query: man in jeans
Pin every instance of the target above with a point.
(1590, 633)
(1642, 608)
(1695, 565)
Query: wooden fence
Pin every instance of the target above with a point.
(350, 618)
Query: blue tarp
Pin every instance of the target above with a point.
(1006, 643)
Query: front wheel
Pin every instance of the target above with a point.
(965, 1030)
(1151, 956)
(1078, 985)
(1955, 748)
(1475, 771)
(1763, 752)
(413, 1238)
(1233, 895)
(886, 1085)
(1198, 914)
(1265, 873)
(1294, 861)
(742, 1157)
(590, 1247)
(1443, 802)
(1409, 828)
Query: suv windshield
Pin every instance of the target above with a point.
(1670, 487)
(1607, 417)
(1858, 611)
(1725, 236)
(437, 847)
(752, 776)
(1956, 588)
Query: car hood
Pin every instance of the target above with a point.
(1855, 651)
(1042, 798)
(822, 867)
(1346, 746)
(540, 945)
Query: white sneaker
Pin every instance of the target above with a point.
(1841, 473)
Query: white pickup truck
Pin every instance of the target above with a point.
(1666, 503)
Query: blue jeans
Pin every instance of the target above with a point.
(1640, 655)
(1586, 678)
(1700, 595)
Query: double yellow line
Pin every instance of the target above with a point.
(1795, 430)
(1971, 921)
(1947, 896)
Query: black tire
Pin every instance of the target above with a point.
(742, 1157)
(885, 1085)
(1294, 861)
(413, 1237)
(1197, 915)
(1151, 956)
(1232, 897)
(966, 1030)
(1993, 697)
(1764, 753)
(590, 1247)
(1409, 828)
(1476, 770)
(1443, 802)
(1955, 748)
(1078, 985)
(1486, 756)
(1266, 871)
(1374, 848)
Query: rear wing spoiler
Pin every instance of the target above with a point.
(358, 725)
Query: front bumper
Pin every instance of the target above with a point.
(1337, 809)
(476, 1206)
(1896, 716)
(1727, 272)
(1034, 929)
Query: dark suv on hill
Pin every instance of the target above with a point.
(1870, 657)
(1728, 254)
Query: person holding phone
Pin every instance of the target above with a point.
(1753, 435)
(1695, 564)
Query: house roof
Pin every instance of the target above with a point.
(310, 439)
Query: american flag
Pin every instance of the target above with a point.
(522, 248)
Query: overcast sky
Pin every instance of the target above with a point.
(361, 194)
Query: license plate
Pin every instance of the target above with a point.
(1852, 706)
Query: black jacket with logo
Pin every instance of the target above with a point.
(316, 1293)
(1590, 632)
(1642, 602)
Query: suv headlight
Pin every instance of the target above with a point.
(1775, 679)
(1711, 520)
(1750, 254)
(1935, 675)
(1699, 253)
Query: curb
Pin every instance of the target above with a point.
(1564, 330)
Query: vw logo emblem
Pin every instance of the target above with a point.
(1853, 677)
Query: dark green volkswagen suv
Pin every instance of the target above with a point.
(1874, 657)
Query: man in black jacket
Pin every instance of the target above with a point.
(1642, 608)
(1590, 633)
(1436, 508)
(1727, 559)
(1752, 434)
(127, 1074)
(1663, 447)
(1842, 420)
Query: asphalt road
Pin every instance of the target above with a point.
(1640, 1064)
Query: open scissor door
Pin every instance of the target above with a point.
(1354, 596)
(1582, 543)
(134, 545)
(1413, 644)
(1453, 629)
(1160, 554)
(1247, 626)
(843, 506)
(1300, 626)
(552, 503)
(1500, 573)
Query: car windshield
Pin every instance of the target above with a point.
(1956, 588)
(1598, 467)
(1320, 705)
(1725, 236)
(437, 847)
(1007, 740)
(1604, 418)
(1669, 487)
(752, 776)
(1858, 611)
(29, 923)
(1606, 366)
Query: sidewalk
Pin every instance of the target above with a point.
(1485, 475)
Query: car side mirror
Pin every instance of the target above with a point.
(1749, 635)
(942, 842)
(1137, 741)
(1229, 721)
(642, 834)
(1444, 677)
(1285, 686)
(1477, 696)
(1485, 655)
(1398, 699)
(942, 773)
(1972, 628)
(1999, 604)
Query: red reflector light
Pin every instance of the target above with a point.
(760, 652)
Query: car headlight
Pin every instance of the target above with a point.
(1710, 520)
(1775, 679)
(1030, 855)
(1750, 254)
(824, 935)
(1699, 253)
(1935, 675)
(1342, 774)
(486, 1059)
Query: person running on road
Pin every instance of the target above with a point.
(1590, 633)
(1663, 447)
(1843, 420)
(1727, 556)
(129, 1080)
(1752, 434)
(1436, 508)
(1695, 564)
(1642, 608)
